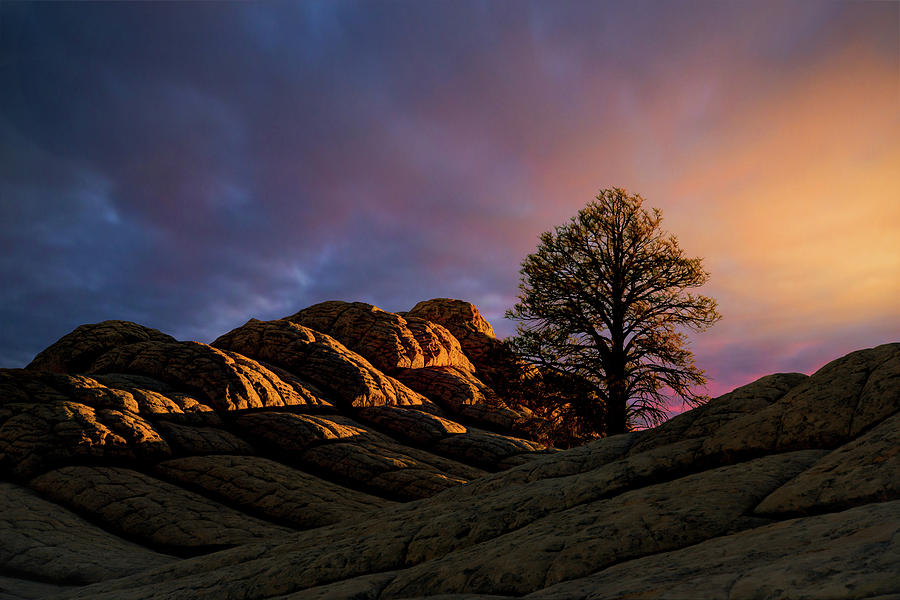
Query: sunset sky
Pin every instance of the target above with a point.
(191, 165)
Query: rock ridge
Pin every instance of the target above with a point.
(348, 452)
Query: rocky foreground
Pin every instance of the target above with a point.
(347, 452)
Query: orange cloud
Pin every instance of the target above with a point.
(791, 195)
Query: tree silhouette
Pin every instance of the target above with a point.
(603, 299)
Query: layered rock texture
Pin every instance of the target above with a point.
(348, 452)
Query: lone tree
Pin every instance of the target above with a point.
(602, 300)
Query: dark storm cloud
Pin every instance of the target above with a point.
(189, 165)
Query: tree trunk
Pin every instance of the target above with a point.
(616, 386)
(615, 412)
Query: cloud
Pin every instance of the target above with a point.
(189, 165)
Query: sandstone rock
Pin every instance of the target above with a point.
(151, 510)
(580, 459)
(439, 347)
(348, 377)
(847, 555)
(709, 418)
(451, 387)
(840, 400)
(276, 491)
(504, 502)
(224, 380)
(46, 542)
(170, 405)
(37, 387)
(582, 540)
(128, 382)
(500, 418)
(862, 471)
(192, 440)
(485, 449)
(15, 588)
(155, 398)
(346, 451)
(599, 532)
(388, 468)
(36, 437)
(462, 319)
(386, 339)
(76, 351)
(369, 587)
(461, 393)
(411, 424)
(700, 507)
(117, 392)
(412, 482)
(294, 432)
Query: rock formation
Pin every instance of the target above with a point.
(348, 452)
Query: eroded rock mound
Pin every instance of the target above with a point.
(75, 352)
(225, 380)
(43, 541)
(339, 455)
(274, 490)
(387, 340)
(838, 403)
(43, 423)
(453, 388)
(460, 317)
(319, 358)
(475, 334)
(147, 509)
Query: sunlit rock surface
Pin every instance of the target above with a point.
(347, 452)
(349, 379)
(385, 339)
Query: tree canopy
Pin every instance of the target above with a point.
(604, 300)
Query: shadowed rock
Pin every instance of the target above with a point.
(864, 470)
(517, 420)
(187, 439)
(596, 535)
(488, 450)
(76, 351)
(398, 541)
(709, 418)
(848, 555)
(391, 469)
(151, 510)
(295, 433)
(411, 424)
(349, 452)
(44, 541)
(275, 490)
(835, 404)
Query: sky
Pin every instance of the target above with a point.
(191, 165)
